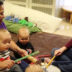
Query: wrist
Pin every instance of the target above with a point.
(18, 50)
(63, 49)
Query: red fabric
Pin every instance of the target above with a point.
(2, 59)
(69, 44)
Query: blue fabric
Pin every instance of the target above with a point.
(8, 18)
(2, 26)
(15, 20)
(23, 65)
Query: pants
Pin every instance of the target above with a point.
(66, 56)
(15, 68)
(23, 65)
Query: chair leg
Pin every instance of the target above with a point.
(71, 18)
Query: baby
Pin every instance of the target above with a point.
(38, 68)
(23, 41)
(34, 68)
(5, 62)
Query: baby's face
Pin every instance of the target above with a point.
(23, 39)
(5, 43)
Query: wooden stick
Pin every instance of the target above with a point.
(50, 61)
(26, 56)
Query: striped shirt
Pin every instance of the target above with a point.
(4, 55)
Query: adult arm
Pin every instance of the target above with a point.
(14, 47)
(62, 49)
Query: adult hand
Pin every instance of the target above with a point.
(22, 52)
(59, 51)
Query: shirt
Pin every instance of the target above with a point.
(4, 54)
(2, 26)
(69, 44)
(25, 47)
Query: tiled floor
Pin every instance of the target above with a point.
(64, 29)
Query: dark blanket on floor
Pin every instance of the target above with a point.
(44, 42)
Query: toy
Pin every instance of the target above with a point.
(8, 18)
(47, 67)
(50, 61)
(15, 20)
(24, 22)
(29, 57)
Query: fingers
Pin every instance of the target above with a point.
(10, 64)
(18, 62)
(57, 53)
(29, 50)
(23, 52)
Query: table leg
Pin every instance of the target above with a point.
(64, 14)
(71, 18)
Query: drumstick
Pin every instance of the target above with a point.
(50, 61)
(26, 56)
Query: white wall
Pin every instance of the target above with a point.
(67, 2)
(59, 4)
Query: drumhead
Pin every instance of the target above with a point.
(53, 68)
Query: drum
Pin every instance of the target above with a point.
(52, 68)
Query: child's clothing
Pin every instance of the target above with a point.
(25, 47)
(15, 68)
(23, 65)
(66, 56)
(2, 26)
(4, 55)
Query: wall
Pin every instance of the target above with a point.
(59, 4)
(55, 8)
(46, 22)
(67, 2)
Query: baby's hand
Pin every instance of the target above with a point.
(8, 64)
(18, 62)
(29, 50)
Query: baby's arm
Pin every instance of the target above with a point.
(30, 48)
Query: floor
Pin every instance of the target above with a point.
(64, 29)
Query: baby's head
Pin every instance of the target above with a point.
(23, 35)
(34, 68)
(5, 39)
